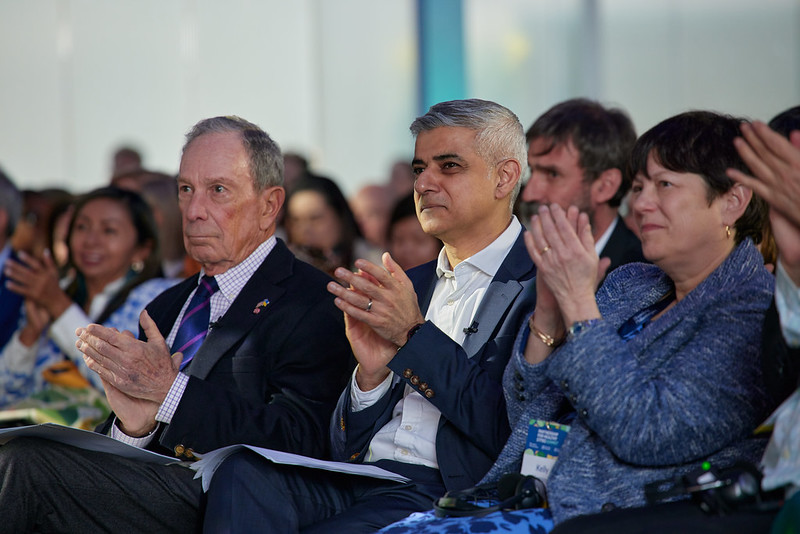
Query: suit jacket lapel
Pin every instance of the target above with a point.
(502, 291)
(424, 280)
(241, 317)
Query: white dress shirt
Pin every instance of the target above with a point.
(410, 436)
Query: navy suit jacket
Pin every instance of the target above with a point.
(781, 363)
(622, 247)
(464, 383)
(268, 378)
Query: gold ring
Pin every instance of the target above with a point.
(545, 249)
(369, 305)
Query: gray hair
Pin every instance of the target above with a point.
(10, 202)
(266, 160)
(499, 136)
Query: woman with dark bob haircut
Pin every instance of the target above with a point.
(113, 253)
(658, 372)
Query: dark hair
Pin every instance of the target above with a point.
(701, 142)
(786, 121)
(146, 233)
(603, 137)
(335, 199)
(404, 207)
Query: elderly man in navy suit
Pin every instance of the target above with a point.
(425, 400)
(578, 155)
(251, 351)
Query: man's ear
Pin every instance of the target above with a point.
(735, 202)
(605, 186)
(271, 202)
(508, 174)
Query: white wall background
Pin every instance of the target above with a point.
(336, 79)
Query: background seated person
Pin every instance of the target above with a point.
(662, 366)
(113, 251)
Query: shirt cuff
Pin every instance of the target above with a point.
(170, 405)
(787, 301)
(139, 443)
(360, 400)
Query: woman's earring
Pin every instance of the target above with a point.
(727, 231)
(137, 266)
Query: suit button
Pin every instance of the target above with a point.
(521, 398)
(407, 373)
(415, 380)
(423, 386)
(429, 393)
(179, 450)
(573, 398)
(517, 376)
(519, 387)
(565, 385)
(189, 454)
(585, 413)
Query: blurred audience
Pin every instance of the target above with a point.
(10, 212)
(32, 233)
(407, 242)
(126, 159)
(401, 179)
(294, 167)
(372, 206)
(114, 254)
(161, 193)
(57, 229)
(320, 227)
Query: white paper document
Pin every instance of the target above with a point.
(84, 439)
(209, 462)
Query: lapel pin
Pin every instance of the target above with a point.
(262, 304)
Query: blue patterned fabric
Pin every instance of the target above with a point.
(16, 386)
(529, 521)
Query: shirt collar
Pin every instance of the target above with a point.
(601, 243)
(233, 280)
(490, 257)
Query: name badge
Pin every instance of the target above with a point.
(544, 442)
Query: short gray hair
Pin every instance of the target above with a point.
(499, 136)
(10, 202)
(266, 160)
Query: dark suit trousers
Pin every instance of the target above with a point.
(251, 494)
(51, 487)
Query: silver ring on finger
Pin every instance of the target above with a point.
(369, 305)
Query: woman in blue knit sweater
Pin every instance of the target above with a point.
(661, 367)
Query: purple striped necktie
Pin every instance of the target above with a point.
(194, 325)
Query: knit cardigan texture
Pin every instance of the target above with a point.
(687, 388)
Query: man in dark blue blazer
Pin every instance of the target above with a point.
(271, 362)
(426, 399)
(578, 155)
